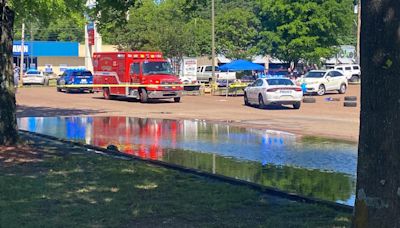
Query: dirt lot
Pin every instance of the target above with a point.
(324, 118)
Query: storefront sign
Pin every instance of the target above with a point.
(17, 48)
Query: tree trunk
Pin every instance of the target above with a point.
(378, 176)
(8, 121)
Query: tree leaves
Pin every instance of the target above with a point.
(306, 29)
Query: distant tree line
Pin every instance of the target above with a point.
(290, 30)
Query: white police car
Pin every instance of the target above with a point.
(273, 91)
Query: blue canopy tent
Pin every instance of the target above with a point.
(240, 65)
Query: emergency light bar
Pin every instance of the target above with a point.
(147, 56)
(136, 55)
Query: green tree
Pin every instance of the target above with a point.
(24, 11)
(63, 28)
(165, 27)
(237, 33)
(305, 29)
(378, 180)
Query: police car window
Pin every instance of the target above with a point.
(82, 73)
(339, 68)
(135, 68)
(280, 81)
(348, 68)
(259, 82)
(356, 67)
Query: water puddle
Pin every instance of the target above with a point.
(308, 166)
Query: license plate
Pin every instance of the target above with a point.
(83, 81)
(286, 92)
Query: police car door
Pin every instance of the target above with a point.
(256, 90)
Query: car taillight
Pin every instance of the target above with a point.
(272, 90)
(298, 89)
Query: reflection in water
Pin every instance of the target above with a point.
(323, 169)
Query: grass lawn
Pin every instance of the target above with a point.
(50, 184)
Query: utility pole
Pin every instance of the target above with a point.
(213, 39)
(21, 69)
(31, 46)
(358, 30)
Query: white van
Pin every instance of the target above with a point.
(351, 71)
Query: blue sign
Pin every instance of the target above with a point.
(47, 48)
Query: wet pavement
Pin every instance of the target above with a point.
(307, 166)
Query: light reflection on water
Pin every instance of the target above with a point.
(323, 169)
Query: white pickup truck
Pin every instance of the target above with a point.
(204, 74)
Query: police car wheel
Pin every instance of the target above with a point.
(261, 103)
(297, 105)
(246, 100)
(177, 99)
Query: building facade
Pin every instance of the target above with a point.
(55, 56)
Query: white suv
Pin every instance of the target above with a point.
(321, 81)
(351, 71)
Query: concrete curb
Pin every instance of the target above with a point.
(264, 189)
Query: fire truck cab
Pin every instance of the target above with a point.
(139, 74)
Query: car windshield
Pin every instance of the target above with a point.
(315, 74)
(280, 81)
(150, 68)
(82, 73)
(33, 73)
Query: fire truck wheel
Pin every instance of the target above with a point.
(177, 99)
(106, 93)
(143, 96)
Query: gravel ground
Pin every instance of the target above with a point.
(324, 118)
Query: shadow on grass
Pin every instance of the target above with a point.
(88, 190)
(28, 111)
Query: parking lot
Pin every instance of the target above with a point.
(323, 118)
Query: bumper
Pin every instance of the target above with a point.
(32, 81)
(164, 94)
(283, 102)
(79, 88)
(312, 88)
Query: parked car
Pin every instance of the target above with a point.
(276, 91)
(79, 77)
(204, 74)
(34, 77)
(321, 81)
(351, 71)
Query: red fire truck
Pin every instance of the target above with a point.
(139, 74)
